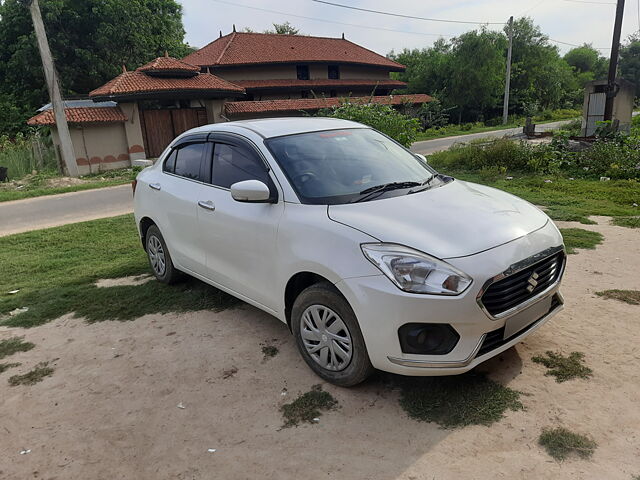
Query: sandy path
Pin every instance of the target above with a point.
(110, 409)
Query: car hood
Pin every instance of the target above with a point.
(453, 220)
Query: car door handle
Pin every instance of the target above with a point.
(208, 205)
(155, 186)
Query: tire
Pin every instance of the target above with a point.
(159, 257)
(323, 321)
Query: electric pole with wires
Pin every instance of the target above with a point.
(507, 81)
(613, 62)
(51, 77)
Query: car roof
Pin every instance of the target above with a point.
(275, 127)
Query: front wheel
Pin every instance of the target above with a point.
(329, 337)
(159, 257)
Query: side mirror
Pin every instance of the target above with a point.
(421, 157)
(251, 191)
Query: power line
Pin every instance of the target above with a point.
(574, 45)
(332, 21)
(406, 16)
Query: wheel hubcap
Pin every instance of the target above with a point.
(156, 255)
(326, 338)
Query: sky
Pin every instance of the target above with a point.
(569, 21)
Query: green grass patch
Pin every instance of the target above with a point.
(307, 407)
(34, 376)
(13, 345)
(564, 368)
(564, 215)
(560, 443)
(6, 366)
(55, 270)
(631, 297)
(580, 238)
(457, 401)
(629, 222)
(270, 351)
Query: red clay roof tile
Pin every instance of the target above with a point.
(343, 83)
(135, 83)
(294, 105)
(259, 48)
(168, 64)
(81, 115)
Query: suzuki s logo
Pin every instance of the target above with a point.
(533, 282)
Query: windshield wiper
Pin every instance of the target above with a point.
(385, 187)
(424, 185)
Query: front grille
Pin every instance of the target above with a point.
(522, 285)
(495, 339)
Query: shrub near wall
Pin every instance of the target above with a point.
(383, 118)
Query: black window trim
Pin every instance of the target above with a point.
(190, 140)
(237, 140)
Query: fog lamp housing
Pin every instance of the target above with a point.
(427, 338)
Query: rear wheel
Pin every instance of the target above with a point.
(328, 336)
(159, 257)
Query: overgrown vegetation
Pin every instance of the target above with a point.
(24, 154)
(307, 407)
(384, 118)
(32, 377)
(631, 297)
(457, 401)
(562, 367)
(56, 270)
(579, 238)
(560, 443)
(13, 345)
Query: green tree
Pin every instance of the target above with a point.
(476, 73)
(587, 64)
(284, 29)
(630, 61)
(90, 40)
(539, 76)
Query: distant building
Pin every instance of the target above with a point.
(237, 76)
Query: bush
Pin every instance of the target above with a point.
(383, 118)
(24, 154)
(617, 158)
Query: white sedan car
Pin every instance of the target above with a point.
(371, 257)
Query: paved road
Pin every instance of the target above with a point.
(53, 210)
(428, 147)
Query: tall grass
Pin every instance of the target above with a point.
(24, 154)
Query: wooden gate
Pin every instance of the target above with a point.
(160, 127)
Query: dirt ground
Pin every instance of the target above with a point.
(109, 411)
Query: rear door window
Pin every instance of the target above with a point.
(188, 161)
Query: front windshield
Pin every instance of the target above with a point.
(338, 166)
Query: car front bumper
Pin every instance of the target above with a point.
(382, 309)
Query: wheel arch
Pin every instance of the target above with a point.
(296, 284)
(145, 223)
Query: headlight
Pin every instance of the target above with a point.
(414, 271)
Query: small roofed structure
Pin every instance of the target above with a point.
(165, 77)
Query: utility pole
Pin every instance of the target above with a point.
(613, 62)
(507, 82)
(51, 77)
